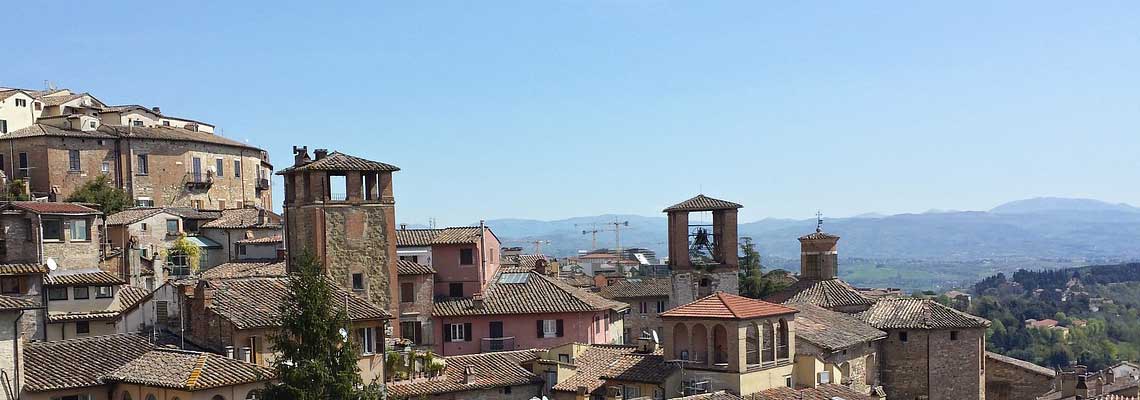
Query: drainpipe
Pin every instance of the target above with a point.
(16, 352)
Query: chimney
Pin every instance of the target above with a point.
(156, 110)
(645, 343)
(403, 227)
(247, 354)
(1082, 389)
(1068, 384)
(819, 256)
(582, 392)
(320, 153)
(280, 254)
(468, 374)
(261, 216)
(540, 266)
(301, 155)
(1109, 376)
(230, 352)
(477, 300)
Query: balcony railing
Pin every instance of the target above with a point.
(497, 344)
(263, 184)
(200, 179)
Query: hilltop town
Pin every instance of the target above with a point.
(178, 294)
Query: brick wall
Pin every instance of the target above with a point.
(636, 321)
(931, 365)
(420, 309)
(1006, 381)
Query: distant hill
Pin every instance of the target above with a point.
(1057, 204)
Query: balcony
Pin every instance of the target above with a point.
(497, 344)
(262, 184)
(199, 179)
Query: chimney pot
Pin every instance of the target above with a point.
(247, 354)
(477, 300)
(468, 374)
(540, 266)
(156, 110)
(403, 227)
(300, 155)
(320, 153)
(229, 351)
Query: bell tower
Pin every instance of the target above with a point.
(703, 258)
(340, 209)
(819, 254)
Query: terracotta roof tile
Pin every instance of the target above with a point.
(83, 316)
(832, 330)
(245, 218)
(1026, 365)
(171, 133)
(703, 203)
(131, 215)
(827, 391)
(428, 237)
(255, 302)
(907, 313)
(827, 293)
(187, 370)
(404, 267)
(590, 364)
(8, 303)
(337, 161)
(246, 269)
(638, 288)
(537, 294)
(638, 367)
(275, 239)
(68, 278)
(78, 363)
(22, 269)
(721, 305)
(40, 207)
(492, 370)
(193, 213)
(818, 235)
(718, 395)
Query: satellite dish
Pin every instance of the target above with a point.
(51, 264)
(344, 334)
(656, 339)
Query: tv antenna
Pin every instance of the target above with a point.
(818, 221)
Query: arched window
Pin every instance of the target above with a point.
(720, 344)
(150, 397)
(681, 343)
(782, 350)
(126, 395)
(752, 345)
(253, 394)
(700, 344)
(768, 347)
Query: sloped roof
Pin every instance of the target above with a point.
(908, 313)
(337, 161)
(132, 215)
(703, 203)
(8, 303)
(818, 235)
(590, 364)
(1026, 365)
(492, 370)
(721, 305)
(254, 302)
(49, 130)
(538, 294)
(193, 213)
(639, 367)
(130, 296)
(520, 262)
(827, 293)
(68, 278)
(246, 269)
(638, 288)
(441, 236)
(78, 363)
(22, 269)
(404, 267)
(832, 330)
(108, 131)
(40, 207)
(245, 218)
(275, 239)
(187, 370)
(826, 391)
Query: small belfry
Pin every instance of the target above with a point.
(703, 257)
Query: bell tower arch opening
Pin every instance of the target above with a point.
(703, 254)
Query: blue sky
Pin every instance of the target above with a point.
(545, 109)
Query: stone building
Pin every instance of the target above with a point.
(244, 233)
(647, 299)
(464, 258)
(819, 282)
(1008, 378)
(24, 282)
(416, 302)
(341, 210)
(577, 371)
(732, 343)
(67, 234)
(932, 351)
(835, 348)
(717, 268)
(83, 303)
(13, 341)
(142, 234)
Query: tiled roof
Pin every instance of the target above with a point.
(193, 213)
(826, 391)
(590, 365)
(57, 100)
(275, 239)
(49, 130)
(818, 235)
(337, 161)
(492, 370)
(68, 278)
(638, 367)
(404, 267)
(703, 203)
(6, 93)
(22, 269)
(539, 294)
(78, 363)
(254, 302)
(832, 330)
(827, 293)
(638, 288)
(721, 305)
(131, 215)
(171, 133)
(717, 395)
(1026, 365)
(130, 296)
(244, 218)
(578, 280)
(907, 313)
(83, 316)
(8, 303)
(246, 269)
(520, 262)
(187, 370)
(40, 207)
(428, 237)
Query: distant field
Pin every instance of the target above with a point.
(918, 275)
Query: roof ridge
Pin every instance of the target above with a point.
(196, 373)
(720, 296)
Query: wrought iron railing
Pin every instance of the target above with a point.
(497, 344)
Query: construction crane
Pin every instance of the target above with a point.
(593, 231)
(536, 243)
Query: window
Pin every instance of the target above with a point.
(10, 285)
(597, 325)
(23, 173)
(415, 259)
(79, 231)
(237, 168)
(106, 167)
(455, 289)
(661, 306)
(137, 122)
(549, 328)
(93, 124)
(466, 256)
(82, 327)
(631, 391)
(953, 335)
(644, 307)
(53, 229)
(102, 292)
(218, 164)
(412, 330)
(367, 340)
(241, 249)
(57, 293)
(458, 332)
(165, 123)
(788, 381)
(143, 227)
(38, 106)
(565, 358)
(143, 166)
(507, 390)
(902, 336)
(3, 126)
(179, 265)
(21, 102)
(172, 226)
(80, 293)
(73, 160)
(407, 292)
(221, 204)
(144, 202)
(357, 281)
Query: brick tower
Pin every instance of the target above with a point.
(717, 264)
(819, 254)
(340, 209)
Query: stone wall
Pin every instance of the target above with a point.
(1007, 381)
(930, 365)
(687, 285)
(420, 309)
(637, 322)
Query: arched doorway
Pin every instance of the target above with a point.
(700, 344)
(720, 344)
(681, 342)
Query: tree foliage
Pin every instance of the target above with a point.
(316, 359)
(754, 282)
(100, 191)
(17, 190)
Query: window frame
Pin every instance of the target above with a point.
(358, 277)
(52, 293)
(142, 164)
(85, 231)
(237, 168)
(99, 292)
(458, 334)
(467, 255)
(75, 290)
(86, 327)
(549, 328)
(220, 167)
(366, 337)
(6, 281)
(177, 230)
(44, 223)
(408, 296)
(74, 163)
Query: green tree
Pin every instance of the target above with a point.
(754, 283)
(100, 191)
(17, 190)
(316, 360)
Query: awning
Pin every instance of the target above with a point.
(202, 241)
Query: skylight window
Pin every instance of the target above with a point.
(514, 277)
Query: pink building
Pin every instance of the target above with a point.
(464, 258)
(522, 310)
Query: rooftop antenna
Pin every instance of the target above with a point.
(818, 221)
